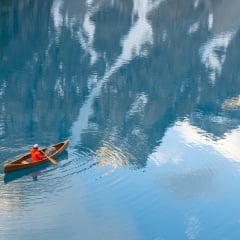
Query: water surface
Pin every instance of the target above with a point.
(148, 92)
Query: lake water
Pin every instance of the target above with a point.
(147, 92)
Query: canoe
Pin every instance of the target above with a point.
(24, 161)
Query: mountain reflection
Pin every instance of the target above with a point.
(119, 72)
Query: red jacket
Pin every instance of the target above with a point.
(36, 155)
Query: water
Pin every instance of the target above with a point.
(148, 92)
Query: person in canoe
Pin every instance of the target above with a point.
(36, 155)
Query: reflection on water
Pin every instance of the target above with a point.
(189, 136)
(233, 103)
(191, 185)
(213, 53)
(111, 155)
(133, 45)
(193, 227)
(148, 94)
(31, 173)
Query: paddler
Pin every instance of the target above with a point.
(36, 155)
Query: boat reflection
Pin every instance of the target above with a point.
(32, 172)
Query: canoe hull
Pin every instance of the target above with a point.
(24, 161)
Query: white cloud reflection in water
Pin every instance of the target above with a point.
(193, 164)
(185, 135)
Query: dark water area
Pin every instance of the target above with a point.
(147, 92)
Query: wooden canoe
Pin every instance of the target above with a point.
(24, 161)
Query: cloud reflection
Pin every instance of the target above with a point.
(198, 159)
(187, 135)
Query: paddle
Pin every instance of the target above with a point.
(50, 159)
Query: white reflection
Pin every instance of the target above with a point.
(223, 22)
(196, 3)
(86, 36)
(186, 136)
(213, 53)
(89, 28)
(2, 88)
(210, 21)
(85, 32)
(228, 146)
(193, 28)
(139, 37)
(193, 226)
(138, 105)
(59, 87)
(57, 15)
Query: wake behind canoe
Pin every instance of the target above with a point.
(24, 161)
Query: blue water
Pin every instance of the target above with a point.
(147, 92)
